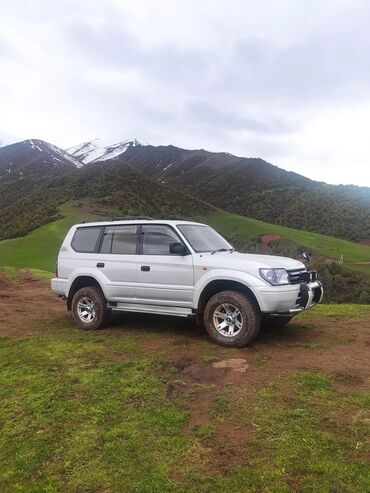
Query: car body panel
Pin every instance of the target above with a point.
(177, 280)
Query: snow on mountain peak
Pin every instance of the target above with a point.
(57, 154)
(97, 150)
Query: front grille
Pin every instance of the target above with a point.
(298, 276)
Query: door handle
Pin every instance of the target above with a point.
(145, 268)
(100, 265)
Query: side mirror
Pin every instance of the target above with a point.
(306, 256)
(178, 248)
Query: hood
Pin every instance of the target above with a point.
(250, 262)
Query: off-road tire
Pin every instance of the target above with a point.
(250, 318)
(101, 316)
(271, 322)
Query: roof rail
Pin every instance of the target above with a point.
(133, 218)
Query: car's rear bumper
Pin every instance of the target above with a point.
(290, 299)
(59, 286)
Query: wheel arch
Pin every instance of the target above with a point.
(216, 286)
(83, 281)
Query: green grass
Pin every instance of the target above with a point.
(39, 249)
(88, 412)
(75, 419)
(13, 273)
(309, 443)
(348, 312)
(231, 224)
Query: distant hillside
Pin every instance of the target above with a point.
(28, 203)
(255, 188)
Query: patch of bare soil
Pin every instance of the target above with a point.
(235, 364)
(24, 302)
(267, 239)
(200, 387)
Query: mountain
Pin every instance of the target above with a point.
(32, 197)
(34, 158)
(167, 180)
(258, 189)
(95, 150)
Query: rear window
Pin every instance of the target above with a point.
(87, 239)
(120, 240)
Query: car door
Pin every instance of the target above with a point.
(163, 278)
(119, 261)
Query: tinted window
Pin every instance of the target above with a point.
(86, 239)
(120, 240)
(157, 239)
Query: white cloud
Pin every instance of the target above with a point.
(283, 80)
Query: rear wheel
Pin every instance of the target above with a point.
(232, 319)
(277, 322)
(89, 308)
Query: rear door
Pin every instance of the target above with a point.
(163, 278)
(119, 261)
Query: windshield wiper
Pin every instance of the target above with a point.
(222, 250)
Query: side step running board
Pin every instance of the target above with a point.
(154, 309)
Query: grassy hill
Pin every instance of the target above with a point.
(39, 248)
(328, 246)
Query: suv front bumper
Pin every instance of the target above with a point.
(290, 299)
(309, 295)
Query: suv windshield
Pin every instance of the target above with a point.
(204, 238)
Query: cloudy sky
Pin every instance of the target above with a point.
(285, 80)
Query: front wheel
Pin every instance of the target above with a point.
(232, 319)
(89, 309)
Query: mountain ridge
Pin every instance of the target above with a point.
(34, 157)
(247, 186)
(95, 150)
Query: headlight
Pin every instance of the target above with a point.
(276, 277)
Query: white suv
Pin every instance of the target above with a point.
(178, 268)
